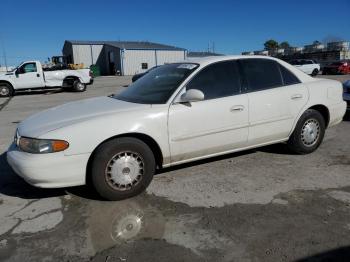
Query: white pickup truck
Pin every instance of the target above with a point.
(30, 75)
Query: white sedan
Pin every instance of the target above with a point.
(177, 113)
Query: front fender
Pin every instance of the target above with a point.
(84, 137)
(7, 80)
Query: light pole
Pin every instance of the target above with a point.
(4, 51)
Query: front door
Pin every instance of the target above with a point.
(28, 76)
(217, 124)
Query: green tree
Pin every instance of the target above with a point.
(271, 44)
(284, 45)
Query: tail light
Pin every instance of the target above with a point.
(91, 74)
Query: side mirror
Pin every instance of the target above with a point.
(192, 95)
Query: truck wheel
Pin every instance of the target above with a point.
(79, 86)
(315, 72)
(308, 133)
(6, 90)
(122, 168)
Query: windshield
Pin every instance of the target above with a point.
(158, 85)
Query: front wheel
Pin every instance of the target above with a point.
(6, 90)
(122, 168)
(79, 86)
(308, 133)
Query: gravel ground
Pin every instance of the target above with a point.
(259, 205)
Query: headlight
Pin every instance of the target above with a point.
(41, 146)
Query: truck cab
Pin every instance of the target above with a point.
(29, 75)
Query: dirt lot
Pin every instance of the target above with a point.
(258, 205)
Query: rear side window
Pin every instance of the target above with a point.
(288, 77)
(261, 74)
(217, 80)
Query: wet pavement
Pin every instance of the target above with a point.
(258, 205)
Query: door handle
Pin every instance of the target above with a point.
(296, 96)
(38, 75)
(237, 108)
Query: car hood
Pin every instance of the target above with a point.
(72, 113)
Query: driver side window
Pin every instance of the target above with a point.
(217, 80)
(28, 68)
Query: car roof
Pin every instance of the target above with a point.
(213, 59)
(204, 61)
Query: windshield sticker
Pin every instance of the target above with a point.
(187, 66)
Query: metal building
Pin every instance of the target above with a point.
(121, 57)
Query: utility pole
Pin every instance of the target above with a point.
(4, 51)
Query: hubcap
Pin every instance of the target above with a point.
(80, 86)
(310, 132)
(124, 171)
(127, 227)
(4, 91)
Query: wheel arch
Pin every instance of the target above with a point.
(148, 140)
(7, 82)
(324, 111)
(69, 80)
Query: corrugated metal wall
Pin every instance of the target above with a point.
(129, 63)
(86, 54)
(133, 59)
(164, 56)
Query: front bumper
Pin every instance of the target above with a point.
(53, 170)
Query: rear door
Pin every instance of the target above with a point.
(275, 97)
(217, 124)
(28, 76)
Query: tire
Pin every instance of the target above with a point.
(324, 72)
(79, 86)
(122, 168)
(302, 141)
(6, 90)
(314, 72)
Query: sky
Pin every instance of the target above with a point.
(37, 29)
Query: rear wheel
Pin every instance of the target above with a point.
(6, 90)
(308, 133)
(79, 86)
(122, 168)
(315, 72)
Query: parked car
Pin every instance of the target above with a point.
(337, 68)
(137, 76)
(346, 94)
(30, 75)
(176, 113)
(308, 66)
